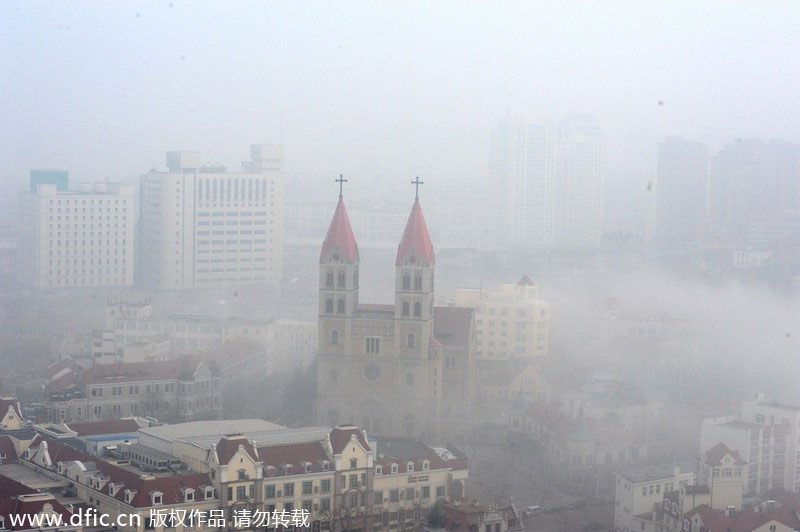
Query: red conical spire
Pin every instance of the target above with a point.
(340, 235)
(416, 238)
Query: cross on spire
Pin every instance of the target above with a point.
(416, 183)
(341, 182)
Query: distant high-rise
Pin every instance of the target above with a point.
(75, 238)
(755, 190)
(205, 227)
(550, 177)
(681, 190)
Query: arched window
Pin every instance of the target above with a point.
(410, 340)
(417, 309)
(340, 306)
(410, 467)
(341, 279)
(394, 468)
(334, 337)
(405, 309)
(410, 379)
(333, 376)
(329, 306)
(329, 279)
(378, 469)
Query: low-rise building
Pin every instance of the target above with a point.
(639, 491)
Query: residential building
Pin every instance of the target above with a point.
(511, 323)
(10, 414)
(205, 227)
(461, 516)
(681, 192)
(771, 519)
(18, 501)
(75, 238)
(175, 390)
(551, 176)
(638, 491)
(383, 364)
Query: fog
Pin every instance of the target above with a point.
(604, 254)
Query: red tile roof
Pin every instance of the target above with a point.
(12, 502)
(340, 437)
(11, 488)
(453, 325)
(170, 486)
(715, 454)
(7, 448)
(139, 371)
(340, 235)
(295, 454)
(748, 520)
(416, 238)
(111, 426)
(228, 447)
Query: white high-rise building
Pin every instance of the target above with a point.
(204, 227)
(551, 176)
(75, 238)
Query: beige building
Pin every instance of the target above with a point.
(511, 323)
(384, 366)
(10, 414)
(205, 227)
(639, 491)
(76, 238)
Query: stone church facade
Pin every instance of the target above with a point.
(401, 369)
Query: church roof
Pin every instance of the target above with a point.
(525, 281)
(340, 235)
(416, 237)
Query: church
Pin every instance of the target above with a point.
(400, 369)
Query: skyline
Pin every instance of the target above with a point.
(379, 93)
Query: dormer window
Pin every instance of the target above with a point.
(426, 465)
(288, 469)
(378, 469)
(306, 467)
(394, 468)
(270, 471)
(188, 494)
(326, 465)
(129, 494)
(157, 497)
(209, 493)
(410, 467)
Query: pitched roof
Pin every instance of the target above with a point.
(111, 426)
(139, 371)
(170, 486)
(340, 437)
(7, 448)
(452, 325)
(525, 281)
(749, 520)
(227, 447)
(715, 454)
(9, 402)
(340, 235)
(416, 238)
(295, 454)
(12, 488)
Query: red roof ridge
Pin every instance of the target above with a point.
(340, 235)
(416, 237)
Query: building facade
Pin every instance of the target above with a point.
(204, 227)
(75, 238)
(382, 365)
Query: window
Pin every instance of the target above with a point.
(325, 485)
(378, 469)
(439, 491)
(325, 505)
(269, 491)
(410, 467)
(410, 340)
(426, 465)
(352, 500)
(334, 337)
(394, 468)
(377, 497)
(307, 487)
(329, 279)
(241, 492)
(409, 494)
(417, 309)
(410, 382)
(333, 377)
(406, 282)
(394, 495)
(341, 279)
(353, 481)
(340, 306)
(329, 306)
(417, 282)
(353, 463)
(373, 345)
(405, 309)
(288, 489)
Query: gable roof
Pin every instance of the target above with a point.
(715, 455)
(228, 447)
(7, 448)
(10, 402)
(416, 237)
(340, 235)
(295, 454)
(340, 437)
(140, 371)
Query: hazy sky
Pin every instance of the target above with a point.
(381, 88)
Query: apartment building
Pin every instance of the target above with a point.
(205, 227)
(638, 491)
(176, 390)
(75, 238)
(511, 323)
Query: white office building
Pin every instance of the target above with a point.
(76, 238)
(205, 227)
